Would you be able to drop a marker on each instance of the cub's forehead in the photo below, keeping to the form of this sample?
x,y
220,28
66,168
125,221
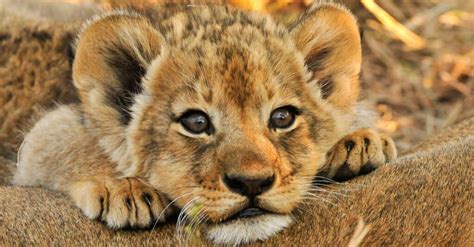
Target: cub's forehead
x,y
232,77
223,56
186,25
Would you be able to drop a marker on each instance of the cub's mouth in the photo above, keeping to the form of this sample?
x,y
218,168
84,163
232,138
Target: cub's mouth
x,y
247,213
248,225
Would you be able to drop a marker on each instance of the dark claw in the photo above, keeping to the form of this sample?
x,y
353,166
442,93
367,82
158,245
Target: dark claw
x,y
128,202
147,198
349,145
366,144
321,178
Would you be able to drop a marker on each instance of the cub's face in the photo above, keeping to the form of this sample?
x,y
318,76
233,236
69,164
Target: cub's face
x,y
231,120
232,130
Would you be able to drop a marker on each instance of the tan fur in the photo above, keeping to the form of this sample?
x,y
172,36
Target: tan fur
x,y
424,198
385,201
122,153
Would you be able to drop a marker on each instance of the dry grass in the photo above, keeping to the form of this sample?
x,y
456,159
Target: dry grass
x,y
418,92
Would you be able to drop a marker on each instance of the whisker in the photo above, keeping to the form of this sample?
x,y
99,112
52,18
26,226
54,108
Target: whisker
x,y
331,181
194,216
167,206
183,216
314,198
195,224
326,197
328,192
325,178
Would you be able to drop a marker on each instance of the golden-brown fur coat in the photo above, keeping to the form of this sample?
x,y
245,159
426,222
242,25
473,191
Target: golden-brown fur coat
x,y
424,198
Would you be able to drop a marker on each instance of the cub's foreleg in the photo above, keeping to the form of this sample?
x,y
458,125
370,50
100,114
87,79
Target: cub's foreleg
x,y
60,154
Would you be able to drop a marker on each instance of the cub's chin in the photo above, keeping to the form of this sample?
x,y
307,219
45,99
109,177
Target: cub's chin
x,y
247,226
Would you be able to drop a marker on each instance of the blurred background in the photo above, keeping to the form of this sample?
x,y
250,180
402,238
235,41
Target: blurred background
x,y
418,69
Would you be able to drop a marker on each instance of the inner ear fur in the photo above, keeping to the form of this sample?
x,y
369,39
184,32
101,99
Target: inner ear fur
x,y
328,37
113,53
112,56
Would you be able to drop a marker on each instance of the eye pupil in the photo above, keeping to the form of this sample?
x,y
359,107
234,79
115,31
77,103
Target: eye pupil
x,y
195,122
283,117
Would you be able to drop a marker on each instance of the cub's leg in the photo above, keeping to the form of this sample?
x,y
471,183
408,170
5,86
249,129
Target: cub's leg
x,y
59,154
357,154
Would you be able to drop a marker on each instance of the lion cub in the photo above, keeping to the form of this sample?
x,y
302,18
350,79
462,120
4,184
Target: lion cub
x,y
221,113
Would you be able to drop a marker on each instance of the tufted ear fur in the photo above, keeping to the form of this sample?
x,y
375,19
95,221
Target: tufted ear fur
x,y
328,37
112,56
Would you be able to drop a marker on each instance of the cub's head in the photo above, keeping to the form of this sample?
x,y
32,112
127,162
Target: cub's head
x,y
227,113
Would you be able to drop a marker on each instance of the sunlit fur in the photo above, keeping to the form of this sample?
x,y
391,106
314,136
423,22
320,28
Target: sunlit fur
x,y
237,82
137,73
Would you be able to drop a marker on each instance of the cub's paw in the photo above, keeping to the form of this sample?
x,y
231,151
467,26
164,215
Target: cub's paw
x,y
359,153
126,202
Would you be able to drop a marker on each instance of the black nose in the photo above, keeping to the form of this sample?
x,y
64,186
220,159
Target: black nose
x,y
248,187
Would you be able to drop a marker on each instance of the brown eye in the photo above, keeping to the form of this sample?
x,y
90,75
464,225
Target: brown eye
x,y
283,117
195,122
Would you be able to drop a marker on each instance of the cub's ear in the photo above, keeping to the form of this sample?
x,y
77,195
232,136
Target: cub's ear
x,y
113,54
328,37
